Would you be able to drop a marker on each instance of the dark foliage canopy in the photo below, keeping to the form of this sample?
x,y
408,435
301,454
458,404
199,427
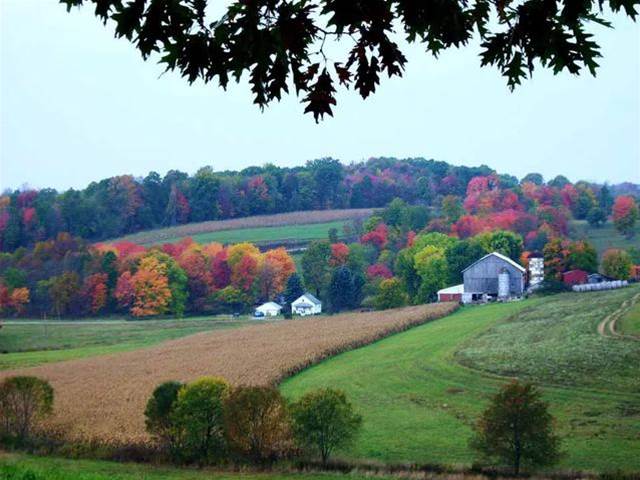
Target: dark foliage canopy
x,y
283,42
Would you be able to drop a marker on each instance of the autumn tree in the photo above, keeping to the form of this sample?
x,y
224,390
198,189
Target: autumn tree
x,y
625,215
516,429
617,264
257,423
95,292
391,294
151,288
293,37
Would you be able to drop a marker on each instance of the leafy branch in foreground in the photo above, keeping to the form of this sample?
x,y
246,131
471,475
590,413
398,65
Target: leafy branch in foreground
x,y
282,42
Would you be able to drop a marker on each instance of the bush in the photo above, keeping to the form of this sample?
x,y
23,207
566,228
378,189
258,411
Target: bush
x,y
324,420
23,402
257,423
517,428
390,294
199,421
617,264
159,415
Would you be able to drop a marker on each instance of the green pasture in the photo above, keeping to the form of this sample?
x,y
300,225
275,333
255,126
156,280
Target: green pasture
x,y
603,238
421,391
29,343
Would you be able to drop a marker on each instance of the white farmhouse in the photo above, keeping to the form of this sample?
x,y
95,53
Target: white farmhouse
x,y
306,304
269,309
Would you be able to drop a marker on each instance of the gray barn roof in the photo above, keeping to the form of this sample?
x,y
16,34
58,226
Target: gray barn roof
x,y
500,256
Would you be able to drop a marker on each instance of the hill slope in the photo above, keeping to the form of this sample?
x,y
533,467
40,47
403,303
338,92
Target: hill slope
x,y
419,403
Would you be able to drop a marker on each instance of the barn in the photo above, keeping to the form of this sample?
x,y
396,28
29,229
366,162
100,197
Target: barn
x,y
494,276
575,277
451,294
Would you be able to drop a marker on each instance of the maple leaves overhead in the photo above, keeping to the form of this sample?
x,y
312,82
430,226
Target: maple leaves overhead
x,y
282,42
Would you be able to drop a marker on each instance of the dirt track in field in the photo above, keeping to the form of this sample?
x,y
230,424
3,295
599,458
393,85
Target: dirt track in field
x,y
607,327
104,397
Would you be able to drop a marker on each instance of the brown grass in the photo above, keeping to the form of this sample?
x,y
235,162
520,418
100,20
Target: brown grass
x,y
104,397
276,220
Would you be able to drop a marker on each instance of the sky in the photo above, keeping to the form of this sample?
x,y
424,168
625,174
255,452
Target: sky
x,y
78,105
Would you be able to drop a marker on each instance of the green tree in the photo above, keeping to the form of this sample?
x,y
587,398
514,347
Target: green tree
x,y
505,242
199,420
559,181
597,217
390,294
516,429
431,266
345,289
605,199
257,423
617,264
460,255
159,415
23,402
582,255
294,288
315,266
534,178
324,420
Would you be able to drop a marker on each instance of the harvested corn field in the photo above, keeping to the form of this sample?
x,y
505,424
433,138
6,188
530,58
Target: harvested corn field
x,y
104,397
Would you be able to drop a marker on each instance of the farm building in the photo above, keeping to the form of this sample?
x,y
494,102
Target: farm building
x,y
269,309
494,276
575,277
635,272
306,304
451,294
536,270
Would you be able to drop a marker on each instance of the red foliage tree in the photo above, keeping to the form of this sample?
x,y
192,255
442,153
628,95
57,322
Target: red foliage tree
x,y
378,237
339,254
379,270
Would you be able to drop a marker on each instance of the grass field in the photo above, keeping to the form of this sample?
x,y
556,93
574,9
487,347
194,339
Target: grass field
x,y
297,233
23,467
419,402
604,237
629,324
104,397
292,225
30,343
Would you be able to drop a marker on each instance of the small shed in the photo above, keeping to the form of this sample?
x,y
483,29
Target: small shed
x,y
575,277
306,304
494,276
635,272
269,309
451,294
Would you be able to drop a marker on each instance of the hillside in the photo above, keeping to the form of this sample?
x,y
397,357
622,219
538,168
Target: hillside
x,y
260,229
604,237
415,383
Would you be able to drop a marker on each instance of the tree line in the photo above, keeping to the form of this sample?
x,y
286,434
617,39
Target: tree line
x,y
404,254
210,422
121,205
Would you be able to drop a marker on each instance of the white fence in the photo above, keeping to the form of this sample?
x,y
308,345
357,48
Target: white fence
x,y
592,287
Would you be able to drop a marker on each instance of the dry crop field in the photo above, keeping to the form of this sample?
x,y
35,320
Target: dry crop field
x,y
104,397
276,220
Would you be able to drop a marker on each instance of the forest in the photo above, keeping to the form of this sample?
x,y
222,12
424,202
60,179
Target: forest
x,y
123,204
403,255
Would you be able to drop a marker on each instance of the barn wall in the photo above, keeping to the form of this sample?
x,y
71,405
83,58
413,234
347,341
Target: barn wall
x,y
483,277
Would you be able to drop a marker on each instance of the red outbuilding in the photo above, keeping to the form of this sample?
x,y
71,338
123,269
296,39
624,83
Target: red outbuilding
x,y
635,272
575,277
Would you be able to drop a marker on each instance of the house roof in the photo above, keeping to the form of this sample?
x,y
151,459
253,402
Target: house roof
x,y
310,298
303,305
454,289
501,257
270,305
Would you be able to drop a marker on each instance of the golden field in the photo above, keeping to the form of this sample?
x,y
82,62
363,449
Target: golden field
x,y
104,397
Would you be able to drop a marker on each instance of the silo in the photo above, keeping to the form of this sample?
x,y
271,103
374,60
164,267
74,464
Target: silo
x,y
503,284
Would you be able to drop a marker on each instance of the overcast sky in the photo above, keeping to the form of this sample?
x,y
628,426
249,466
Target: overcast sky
x,y
78,105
